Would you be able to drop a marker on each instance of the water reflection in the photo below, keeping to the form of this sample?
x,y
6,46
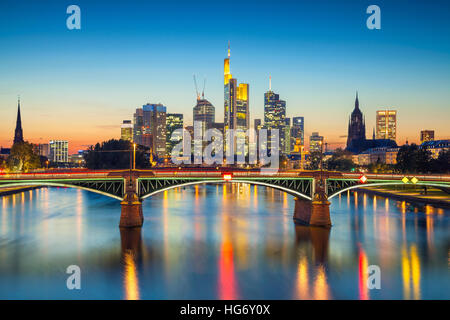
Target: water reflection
x,y
131,247
363,275
312,246
221,242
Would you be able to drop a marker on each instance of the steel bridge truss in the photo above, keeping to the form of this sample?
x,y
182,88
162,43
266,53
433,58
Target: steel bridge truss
x,y
336,185
114,187
149,186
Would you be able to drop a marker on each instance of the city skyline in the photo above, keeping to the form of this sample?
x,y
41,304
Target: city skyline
x,y
97,88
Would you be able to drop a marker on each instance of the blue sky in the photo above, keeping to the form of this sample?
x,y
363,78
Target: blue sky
x,y
74,83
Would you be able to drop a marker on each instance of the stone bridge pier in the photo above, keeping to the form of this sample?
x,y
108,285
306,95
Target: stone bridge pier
x,y
131,213
315,213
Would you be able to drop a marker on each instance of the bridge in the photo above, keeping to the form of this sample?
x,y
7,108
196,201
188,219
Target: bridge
x,y
311,189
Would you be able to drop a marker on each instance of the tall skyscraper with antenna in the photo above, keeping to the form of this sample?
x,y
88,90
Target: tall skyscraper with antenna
x,y
236,102
18,133
275,117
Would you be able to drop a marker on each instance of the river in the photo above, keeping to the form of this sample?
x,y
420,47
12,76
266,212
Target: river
x,y
231,241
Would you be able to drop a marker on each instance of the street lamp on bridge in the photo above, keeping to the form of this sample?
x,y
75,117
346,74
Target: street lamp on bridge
x,y
134,156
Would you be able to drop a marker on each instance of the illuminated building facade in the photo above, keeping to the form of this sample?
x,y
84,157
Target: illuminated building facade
x,y
236,104
385,155
315,142
436,147
174,121
274,110
426,135
386,126
149,128
205,113
126,130
275,118
138,127
297,131
59,151
154,116
286,137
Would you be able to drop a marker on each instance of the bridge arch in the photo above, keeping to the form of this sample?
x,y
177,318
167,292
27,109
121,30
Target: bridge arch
x,y
359,186
273,186
63,185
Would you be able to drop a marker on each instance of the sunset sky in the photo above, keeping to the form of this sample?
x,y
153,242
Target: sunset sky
x,y
79,85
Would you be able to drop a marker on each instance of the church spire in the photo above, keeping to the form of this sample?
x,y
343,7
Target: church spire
x,y
356,101
18,134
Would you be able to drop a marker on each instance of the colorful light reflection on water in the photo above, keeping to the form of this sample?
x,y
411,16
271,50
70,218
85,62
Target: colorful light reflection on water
x,y
220,242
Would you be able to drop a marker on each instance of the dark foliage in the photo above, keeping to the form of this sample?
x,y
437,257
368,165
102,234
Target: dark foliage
x,y
115,154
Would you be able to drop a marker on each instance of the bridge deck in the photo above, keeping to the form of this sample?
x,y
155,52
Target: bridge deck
x,y
117,174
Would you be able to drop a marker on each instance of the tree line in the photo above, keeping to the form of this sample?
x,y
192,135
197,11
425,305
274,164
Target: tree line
x,y
410,159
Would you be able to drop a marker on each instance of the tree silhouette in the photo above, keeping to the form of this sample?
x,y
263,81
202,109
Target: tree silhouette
x,y
412,159
22,158
115,154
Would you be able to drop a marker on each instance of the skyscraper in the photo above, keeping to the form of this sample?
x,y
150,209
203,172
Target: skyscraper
x,y
274,110
356,138
242,117
204,115
236,103
126,130
18,134
286,136
426,135
138,127
154,124
204,112
275,117
386,127
174,121
298,131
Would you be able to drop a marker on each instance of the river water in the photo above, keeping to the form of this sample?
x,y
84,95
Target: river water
x,y
231,241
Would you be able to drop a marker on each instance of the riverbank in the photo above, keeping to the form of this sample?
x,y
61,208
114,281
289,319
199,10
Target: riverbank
x,y
14,190
433,196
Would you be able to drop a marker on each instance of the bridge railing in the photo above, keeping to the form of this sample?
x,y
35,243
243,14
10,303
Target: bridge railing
x,y
219,174
420,177
212,174
46,175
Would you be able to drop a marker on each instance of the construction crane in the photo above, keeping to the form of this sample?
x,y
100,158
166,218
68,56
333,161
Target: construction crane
x,y
203,91
196,88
